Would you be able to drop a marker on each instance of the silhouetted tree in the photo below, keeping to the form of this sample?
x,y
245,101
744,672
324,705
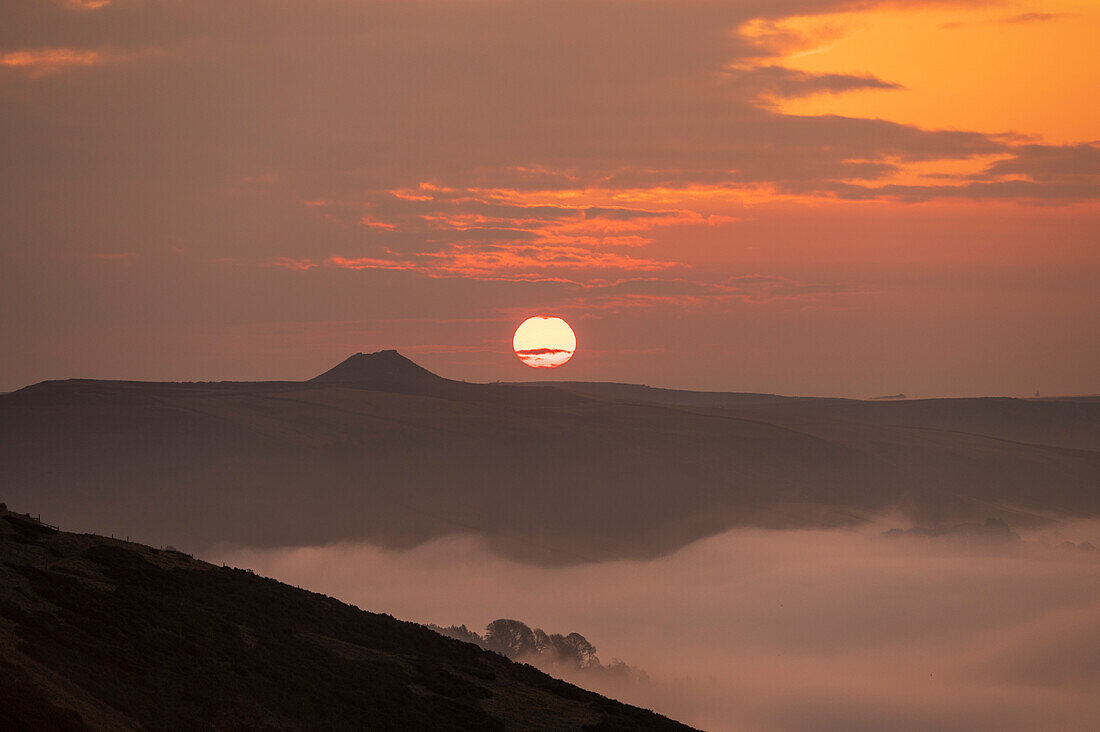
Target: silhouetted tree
x,y
516,640
572,650
618,669
510,637
542,641
583,651
558,650
459,632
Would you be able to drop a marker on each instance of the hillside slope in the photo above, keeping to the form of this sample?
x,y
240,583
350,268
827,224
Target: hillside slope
x,y
98,634
1072,422
392,454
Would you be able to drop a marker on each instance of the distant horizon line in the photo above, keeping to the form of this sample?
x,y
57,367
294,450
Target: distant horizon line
x,y
901,396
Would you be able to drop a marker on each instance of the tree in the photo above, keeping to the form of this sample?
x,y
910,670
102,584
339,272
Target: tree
x,y
583,651
510,637
459,632
542,641
571,650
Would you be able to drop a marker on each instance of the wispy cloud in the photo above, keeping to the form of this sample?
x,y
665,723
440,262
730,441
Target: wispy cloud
x,y
301,265
770,82
751,289
45,61
450,231
1017,19
500,261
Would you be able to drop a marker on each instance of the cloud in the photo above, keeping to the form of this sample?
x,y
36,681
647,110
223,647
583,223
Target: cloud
x,y
668,97
302,265
497,140
44,61
473,232
503,261
696,294
586,290
540,351
1021,18
368,263
1038,173
1050,164
780,82
1018,19
1059,193
376,224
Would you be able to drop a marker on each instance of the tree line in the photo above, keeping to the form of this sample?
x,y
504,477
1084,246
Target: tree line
x,y
516,640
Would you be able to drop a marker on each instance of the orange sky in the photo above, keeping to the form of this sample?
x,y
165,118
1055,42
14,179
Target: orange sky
x,y
804,196
1020,68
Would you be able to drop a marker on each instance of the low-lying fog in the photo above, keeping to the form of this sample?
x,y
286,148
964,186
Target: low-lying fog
x,y
769,630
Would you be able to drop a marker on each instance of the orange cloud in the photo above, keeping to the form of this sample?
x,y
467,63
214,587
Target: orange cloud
x,y
518,262
498,233
423,192
40,62
474,260
368,263
407,195
290,263
576,234
376,224
557,224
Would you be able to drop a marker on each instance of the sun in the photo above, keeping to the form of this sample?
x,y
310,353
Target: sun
x,y
544,342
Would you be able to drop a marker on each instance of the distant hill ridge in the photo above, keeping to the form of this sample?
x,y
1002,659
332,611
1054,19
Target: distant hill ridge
x,y
381,449
385,370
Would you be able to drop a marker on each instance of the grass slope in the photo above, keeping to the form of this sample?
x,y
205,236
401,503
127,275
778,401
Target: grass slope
x,y
103,634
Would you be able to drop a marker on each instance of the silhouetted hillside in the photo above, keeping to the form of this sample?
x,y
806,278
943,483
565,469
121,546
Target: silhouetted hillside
x,y
1072,422
382,371
381,450
99,634
658,395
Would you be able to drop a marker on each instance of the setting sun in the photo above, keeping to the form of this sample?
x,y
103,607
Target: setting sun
x,y
544,342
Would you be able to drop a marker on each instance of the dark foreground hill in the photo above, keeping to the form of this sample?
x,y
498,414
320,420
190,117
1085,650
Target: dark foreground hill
x,y
379,449
98,634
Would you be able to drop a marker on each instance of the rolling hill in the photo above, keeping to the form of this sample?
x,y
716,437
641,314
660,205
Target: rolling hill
x,y
379,449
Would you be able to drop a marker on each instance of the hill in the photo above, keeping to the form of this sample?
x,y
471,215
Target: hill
x,y
99,634
1072,422
381,450
386,370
